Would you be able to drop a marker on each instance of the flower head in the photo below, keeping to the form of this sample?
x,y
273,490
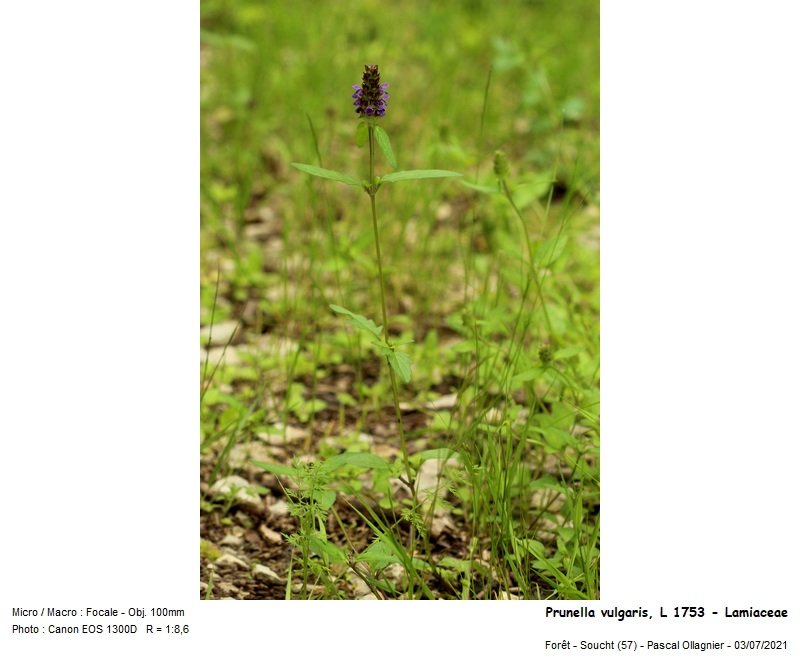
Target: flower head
x,y
500,164
370,97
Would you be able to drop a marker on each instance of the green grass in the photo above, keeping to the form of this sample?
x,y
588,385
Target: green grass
x,y
497,286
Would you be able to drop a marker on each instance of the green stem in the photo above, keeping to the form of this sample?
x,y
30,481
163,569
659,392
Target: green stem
x,y
373,189
531,266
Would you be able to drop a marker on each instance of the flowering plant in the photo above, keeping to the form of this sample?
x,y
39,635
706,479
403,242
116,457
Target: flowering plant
x,y
370,99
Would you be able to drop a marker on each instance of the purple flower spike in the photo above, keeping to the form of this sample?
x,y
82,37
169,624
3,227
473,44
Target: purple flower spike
x,y
371,96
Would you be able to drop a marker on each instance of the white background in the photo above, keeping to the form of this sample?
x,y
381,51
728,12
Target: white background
x,y
99,244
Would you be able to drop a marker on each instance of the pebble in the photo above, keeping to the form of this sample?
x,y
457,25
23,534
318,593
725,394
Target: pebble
x,y
232,540
231,560
443,402
277,436
243,490
270,535
219,334
261,572
278,510
360,588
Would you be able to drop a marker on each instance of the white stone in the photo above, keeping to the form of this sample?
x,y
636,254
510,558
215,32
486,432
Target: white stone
x,y
279,509
270,535
443,402
232,540
261,572
243,491
430,480
219,334
231,560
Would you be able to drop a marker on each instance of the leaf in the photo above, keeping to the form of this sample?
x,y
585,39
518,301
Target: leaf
x,y
276,469
461,565
401,363
360,459
379,555
386,146
571,351
526,376
441,454
382,347
407,175
360,322
536,548
549,251
480,188
557,439
361,134
325,498
321,172
327,550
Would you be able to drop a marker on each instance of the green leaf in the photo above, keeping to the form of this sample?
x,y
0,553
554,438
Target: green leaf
x,y
276,469
321,172
382,347
571,351
484,189
557,439
325,498
360,322
385,145
407,175
327,550
360,459
401,363
361,134
379,555
549,251
536,548
442,454
461,565
527,376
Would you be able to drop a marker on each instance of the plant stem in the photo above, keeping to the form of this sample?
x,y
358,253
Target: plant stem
x,y
531,265
373,189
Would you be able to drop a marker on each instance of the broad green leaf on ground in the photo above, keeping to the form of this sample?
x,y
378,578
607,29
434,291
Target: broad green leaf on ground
x,y
321,172
408,175
401,363
360,322
386,146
